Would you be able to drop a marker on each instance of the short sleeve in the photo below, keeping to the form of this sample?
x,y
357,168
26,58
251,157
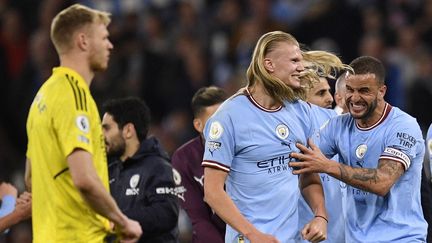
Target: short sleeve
x,y
325,138
7,205
429,144
403,143
219,142
72,121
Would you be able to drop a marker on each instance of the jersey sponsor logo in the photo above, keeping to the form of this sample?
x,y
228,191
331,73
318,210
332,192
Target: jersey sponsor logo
x,y
176,191
216,130
132,191
213,146
276,164
324,178
406,140
83,124
357,193
361,151
282,131
133,182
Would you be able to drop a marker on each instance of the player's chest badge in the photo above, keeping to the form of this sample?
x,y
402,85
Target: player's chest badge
x,y
361,151
282,131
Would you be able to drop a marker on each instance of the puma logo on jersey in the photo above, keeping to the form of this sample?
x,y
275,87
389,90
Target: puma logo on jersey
x,y
200,180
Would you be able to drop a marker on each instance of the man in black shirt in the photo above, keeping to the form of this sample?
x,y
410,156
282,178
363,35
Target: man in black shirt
x,y
141,177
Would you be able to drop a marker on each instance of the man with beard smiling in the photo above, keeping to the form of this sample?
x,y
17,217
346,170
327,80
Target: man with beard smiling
x,y
381,153
141,177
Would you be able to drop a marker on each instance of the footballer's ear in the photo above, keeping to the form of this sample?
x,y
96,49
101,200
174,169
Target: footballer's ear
x,y
129,131
198,125
81,41
268,64
382,91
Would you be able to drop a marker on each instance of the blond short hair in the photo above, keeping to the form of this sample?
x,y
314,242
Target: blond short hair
x,y
71,19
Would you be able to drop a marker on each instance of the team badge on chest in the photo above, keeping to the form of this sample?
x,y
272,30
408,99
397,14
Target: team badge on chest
x,y
282,131
133,183
361,151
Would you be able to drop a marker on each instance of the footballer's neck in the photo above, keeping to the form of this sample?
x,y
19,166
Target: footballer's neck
x,y
79,65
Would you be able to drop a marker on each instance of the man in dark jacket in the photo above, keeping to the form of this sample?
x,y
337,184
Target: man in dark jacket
x,y
140,175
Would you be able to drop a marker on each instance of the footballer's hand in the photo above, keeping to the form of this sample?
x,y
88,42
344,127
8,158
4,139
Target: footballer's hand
x,y
7,189
311,160
130,232
315,230
23,206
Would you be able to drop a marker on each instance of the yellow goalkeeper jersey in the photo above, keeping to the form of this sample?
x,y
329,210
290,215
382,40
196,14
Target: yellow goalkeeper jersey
x,y
62,118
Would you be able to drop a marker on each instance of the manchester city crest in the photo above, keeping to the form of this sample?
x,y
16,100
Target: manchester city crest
x,y
176,177
134,180
361,151
216,130
282,131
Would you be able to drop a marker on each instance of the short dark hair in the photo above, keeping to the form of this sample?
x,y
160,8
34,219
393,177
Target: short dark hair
x,y
205,97
130,110
368,64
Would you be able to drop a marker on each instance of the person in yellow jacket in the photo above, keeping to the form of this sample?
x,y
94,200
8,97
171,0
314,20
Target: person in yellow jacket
x,y
66,159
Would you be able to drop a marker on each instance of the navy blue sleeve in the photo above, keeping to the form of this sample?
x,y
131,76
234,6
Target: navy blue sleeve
x,y
157,210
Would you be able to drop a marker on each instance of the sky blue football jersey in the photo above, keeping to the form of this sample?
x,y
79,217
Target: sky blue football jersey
x,y
398,216
334,190
253,145
429,146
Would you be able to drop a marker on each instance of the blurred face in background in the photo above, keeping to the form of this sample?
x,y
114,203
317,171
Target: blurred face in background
x,y
201,119
320,94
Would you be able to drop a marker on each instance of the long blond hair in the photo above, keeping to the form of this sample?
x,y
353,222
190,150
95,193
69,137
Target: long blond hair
x,y
321,64
256,71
